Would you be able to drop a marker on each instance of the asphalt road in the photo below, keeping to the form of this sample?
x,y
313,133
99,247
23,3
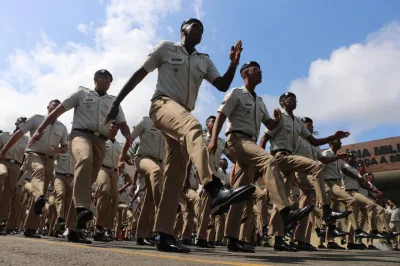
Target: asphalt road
x,y
18,250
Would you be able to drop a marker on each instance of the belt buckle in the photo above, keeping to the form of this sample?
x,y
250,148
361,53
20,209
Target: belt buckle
x,y
96,133
12,161
254,138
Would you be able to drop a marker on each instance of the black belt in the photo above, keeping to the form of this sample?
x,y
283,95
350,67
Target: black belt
x,y
41,154
111,168
352,190
67,175
241,133
282,151
97,134
332,180
13,161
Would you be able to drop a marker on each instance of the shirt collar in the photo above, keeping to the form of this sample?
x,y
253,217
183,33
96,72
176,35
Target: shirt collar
x,y
179,44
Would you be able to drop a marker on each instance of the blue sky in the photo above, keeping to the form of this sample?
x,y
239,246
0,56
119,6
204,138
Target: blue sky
x,y
285,37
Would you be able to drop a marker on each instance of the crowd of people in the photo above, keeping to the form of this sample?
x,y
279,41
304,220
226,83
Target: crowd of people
x,y
174,190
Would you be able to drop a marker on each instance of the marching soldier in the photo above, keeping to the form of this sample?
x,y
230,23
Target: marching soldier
x,y
181,70
40,160
9,172
87,143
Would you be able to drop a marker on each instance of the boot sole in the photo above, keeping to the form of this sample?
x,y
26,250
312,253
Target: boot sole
x,y
84,217
224,207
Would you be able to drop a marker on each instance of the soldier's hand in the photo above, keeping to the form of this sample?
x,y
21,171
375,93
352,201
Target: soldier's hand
x,y
234,55
212,147
277,115
121,166
341,134
36,137
112,114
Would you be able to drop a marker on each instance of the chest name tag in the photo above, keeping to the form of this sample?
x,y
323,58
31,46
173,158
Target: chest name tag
x,y
249,105
89,100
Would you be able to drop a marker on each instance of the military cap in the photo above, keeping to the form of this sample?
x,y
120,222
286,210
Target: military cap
x,y
191,20
306,120
103,72
249,64
287,95
352,154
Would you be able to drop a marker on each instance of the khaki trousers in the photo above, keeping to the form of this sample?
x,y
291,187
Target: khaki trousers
x,y
384,221
124,217
184,138
63,185
153,173
249,155
88,152
41,169
395,227
16,209
177,231
295,163
204,214
9,173
369,208
51,216
247,228
275,227
107,197
260,198
220,221
189,206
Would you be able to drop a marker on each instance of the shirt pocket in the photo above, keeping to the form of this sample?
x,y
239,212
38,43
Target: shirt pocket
x,y
88,104
57,134
106,106
248,109
176,66
202,69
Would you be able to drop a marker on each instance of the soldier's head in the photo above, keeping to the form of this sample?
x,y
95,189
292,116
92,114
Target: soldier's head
x,y
352,158
210,123
361,168
223,163
112,130
191,31
308,123
335,145
371,177
251,73
53,104
288,101
102,80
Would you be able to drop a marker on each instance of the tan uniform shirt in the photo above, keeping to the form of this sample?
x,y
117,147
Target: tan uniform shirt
x,y
179,73
221,149
152,142
65,164
306,149
333,170
286,134
54,135
348,182
243,112
113,150
16,152
90,110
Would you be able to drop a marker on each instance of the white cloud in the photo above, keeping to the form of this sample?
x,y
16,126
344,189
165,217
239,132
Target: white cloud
x,y
197,6
49,70
357,88
84,28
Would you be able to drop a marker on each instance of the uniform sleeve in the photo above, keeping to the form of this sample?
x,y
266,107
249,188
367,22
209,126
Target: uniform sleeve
x,y
212,71
1,140
121,116
274,131
137,129
304,132
229,103
319,152
64,138
71,101
29,124
154,59
266,116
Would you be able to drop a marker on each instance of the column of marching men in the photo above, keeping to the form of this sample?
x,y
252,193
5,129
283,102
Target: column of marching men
x,y
176,190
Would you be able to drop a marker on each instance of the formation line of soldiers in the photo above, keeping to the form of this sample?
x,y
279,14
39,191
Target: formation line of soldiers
x,y
175,156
